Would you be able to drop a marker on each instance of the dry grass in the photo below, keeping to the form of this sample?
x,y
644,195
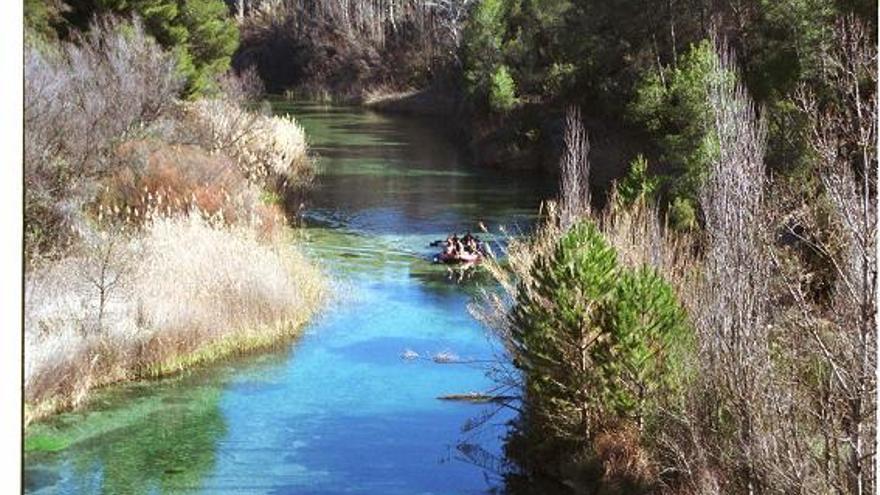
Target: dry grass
x,y
270,150
192,290
165,179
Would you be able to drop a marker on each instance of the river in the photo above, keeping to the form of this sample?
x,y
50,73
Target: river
x,y
348,408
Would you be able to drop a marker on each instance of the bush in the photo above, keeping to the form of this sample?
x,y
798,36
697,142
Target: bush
x,y
593,338
682,215
648,337
79,100
270,150
554,316
637,185
601,347
502,91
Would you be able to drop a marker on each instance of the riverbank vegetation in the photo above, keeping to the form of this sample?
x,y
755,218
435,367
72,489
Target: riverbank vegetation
x,y
706,325
737,358
346,49
156,227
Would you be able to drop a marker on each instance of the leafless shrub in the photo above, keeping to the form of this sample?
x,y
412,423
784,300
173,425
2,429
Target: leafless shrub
x,y
575,169
79,99
244,87
840,332
733,314
641,238
450,20
270,150
105,263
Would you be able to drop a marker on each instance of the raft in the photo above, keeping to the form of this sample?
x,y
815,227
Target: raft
x,y
456,259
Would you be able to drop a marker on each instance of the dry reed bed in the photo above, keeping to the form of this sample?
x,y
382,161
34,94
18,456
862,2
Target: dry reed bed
x,y
182,291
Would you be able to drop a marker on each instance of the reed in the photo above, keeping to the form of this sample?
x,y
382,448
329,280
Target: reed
x,y
181,292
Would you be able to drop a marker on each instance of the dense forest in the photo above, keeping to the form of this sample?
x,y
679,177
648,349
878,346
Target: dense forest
x,y
694,314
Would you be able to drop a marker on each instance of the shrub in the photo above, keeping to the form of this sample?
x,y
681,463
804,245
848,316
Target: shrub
x,y
270,150
648,337
682,215
502,91
589,312
592,338
80,99
637,185
556,320
154,177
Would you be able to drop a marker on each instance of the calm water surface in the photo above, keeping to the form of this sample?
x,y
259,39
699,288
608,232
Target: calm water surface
x,y
339,411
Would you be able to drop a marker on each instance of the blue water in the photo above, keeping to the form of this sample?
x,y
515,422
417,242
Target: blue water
x,y
341,411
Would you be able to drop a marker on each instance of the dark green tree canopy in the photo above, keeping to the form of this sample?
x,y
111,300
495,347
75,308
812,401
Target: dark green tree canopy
x,y
201,33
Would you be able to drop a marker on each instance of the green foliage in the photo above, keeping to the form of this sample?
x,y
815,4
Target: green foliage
x,y
40,16
648,333
674,106
555,317
270,198
213,38
502,91
637,185
200,33
682,214
559,78
594,339
483,39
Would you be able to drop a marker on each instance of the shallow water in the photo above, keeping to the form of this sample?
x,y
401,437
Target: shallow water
x,y
339,411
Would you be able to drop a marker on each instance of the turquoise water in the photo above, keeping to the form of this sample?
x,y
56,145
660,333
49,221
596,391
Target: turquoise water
x,y
341,410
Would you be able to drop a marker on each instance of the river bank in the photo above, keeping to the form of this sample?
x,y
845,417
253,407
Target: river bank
x,y
156,234
339,406
197,294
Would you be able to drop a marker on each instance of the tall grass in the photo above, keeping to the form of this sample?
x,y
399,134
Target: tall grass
x,y
189,290
271,150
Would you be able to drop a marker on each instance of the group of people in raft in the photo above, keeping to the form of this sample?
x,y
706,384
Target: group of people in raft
x,y
466,249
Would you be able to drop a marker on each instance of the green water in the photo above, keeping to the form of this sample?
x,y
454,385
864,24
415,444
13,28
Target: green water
x,y
339,411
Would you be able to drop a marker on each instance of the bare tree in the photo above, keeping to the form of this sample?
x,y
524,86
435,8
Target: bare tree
x,y
732,317
575,169
105,262
451,16
843,132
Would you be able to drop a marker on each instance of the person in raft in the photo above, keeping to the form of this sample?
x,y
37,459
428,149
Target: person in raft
x,y
470,244
449,247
